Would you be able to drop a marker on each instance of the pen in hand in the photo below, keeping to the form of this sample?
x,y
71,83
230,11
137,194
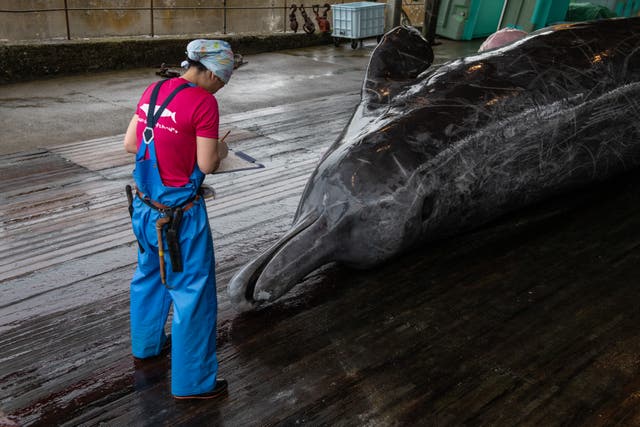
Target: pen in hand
x,y
223,149
225,135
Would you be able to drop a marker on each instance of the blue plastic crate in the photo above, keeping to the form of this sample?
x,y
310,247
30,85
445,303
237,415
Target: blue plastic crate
x,y
358,20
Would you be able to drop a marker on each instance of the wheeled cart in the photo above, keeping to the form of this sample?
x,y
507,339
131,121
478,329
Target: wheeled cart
x,y
357,21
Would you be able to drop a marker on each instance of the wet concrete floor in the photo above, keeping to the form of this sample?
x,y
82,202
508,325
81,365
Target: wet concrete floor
x,y
75,108
528,321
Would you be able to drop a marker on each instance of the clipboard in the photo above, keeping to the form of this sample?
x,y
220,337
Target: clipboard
x,y
237,161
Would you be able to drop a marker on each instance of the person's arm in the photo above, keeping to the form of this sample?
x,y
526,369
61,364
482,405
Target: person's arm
x,y
207,155
130,139
210,151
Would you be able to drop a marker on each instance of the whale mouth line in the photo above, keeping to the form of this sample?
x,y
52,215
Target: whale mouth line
x,y
306,222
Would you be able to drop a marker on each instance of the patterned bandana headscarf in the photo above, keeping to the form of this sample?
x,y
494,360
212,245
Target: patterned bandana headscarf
x,y
216,55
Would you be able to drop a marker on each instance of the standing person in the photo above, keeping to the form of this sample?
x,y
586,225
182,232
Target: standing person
x,y
174,135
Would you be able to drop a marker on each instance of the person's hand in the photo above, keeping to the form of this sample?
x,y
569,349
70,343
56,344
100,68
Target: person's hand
x,y
223,148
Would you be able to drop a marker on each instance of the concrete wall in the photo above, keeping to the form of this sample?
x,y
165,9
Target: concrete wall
x,y
32,25
127,18
107,23
28,61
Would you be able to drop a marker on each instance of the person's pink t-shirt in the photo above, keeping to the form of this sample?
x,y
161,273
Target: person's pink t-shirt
x,y
193,112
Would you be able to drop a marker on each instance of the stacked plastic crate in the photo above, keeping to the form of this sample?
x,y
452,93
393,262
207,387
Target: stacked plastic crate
x,y
357,21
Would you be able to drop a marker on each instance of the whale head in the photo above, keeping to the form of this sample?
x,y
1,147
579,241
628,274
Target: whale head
x,y
364,201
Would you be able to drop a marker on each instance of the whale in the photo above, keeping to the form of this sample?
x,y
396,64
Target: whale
x,y
431,152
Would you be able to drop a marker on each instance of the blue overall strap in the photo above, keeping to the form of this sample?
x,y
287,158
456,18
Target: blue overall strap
x,y
147,170
153,116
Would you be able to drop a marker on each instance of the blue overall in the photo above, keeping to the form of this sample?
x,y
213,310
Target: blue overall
x,y
193,291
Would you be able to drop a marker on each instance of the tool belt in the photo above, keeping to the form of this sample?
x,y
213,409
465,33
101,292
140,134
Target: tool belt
x,y
171,219
167,210
174,216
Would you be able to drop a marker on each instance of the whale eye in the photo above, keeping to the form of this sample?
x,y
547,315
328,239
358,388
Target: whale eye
x,y
427,208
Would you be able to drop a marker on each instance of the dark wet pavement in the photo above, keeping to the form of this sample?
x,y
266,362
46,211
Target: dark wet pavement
x,y
528,321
